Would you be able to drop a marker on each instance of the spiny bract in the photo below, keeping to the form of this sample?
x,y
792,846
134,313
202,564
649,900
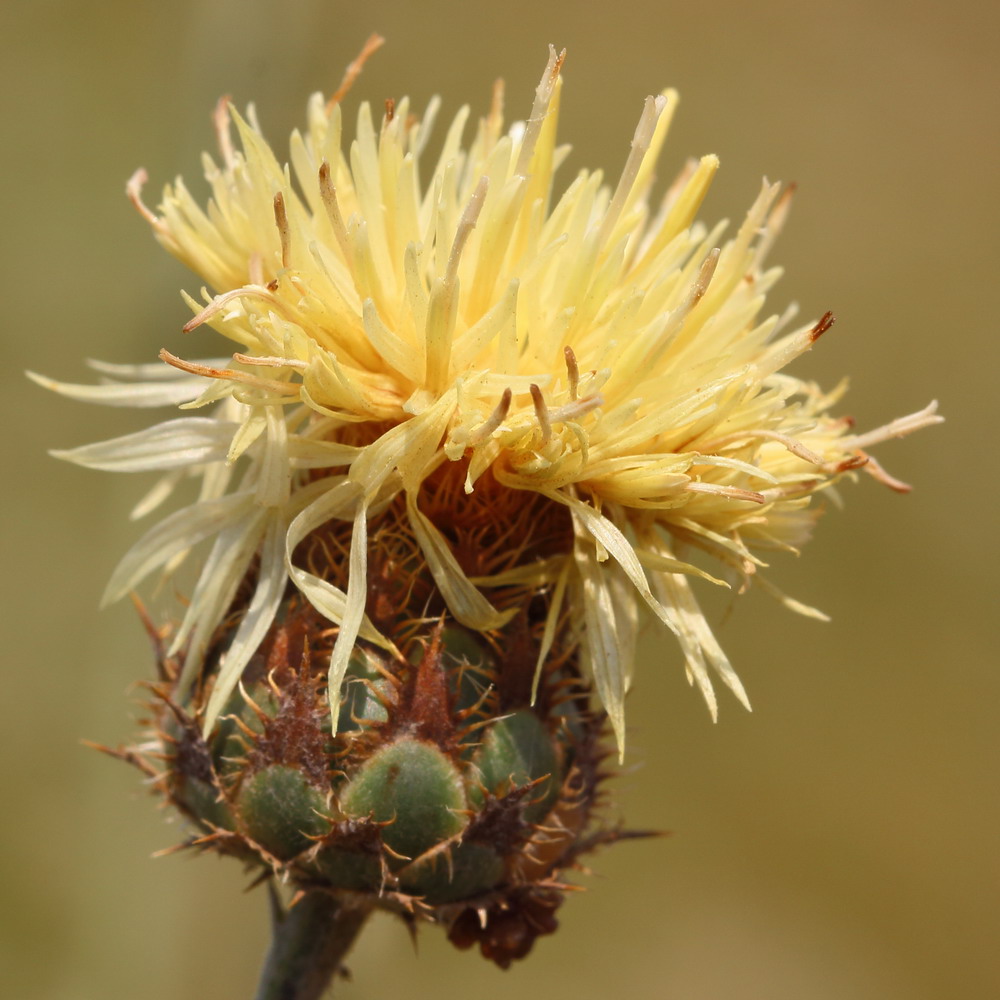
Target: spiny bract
x,y
458,786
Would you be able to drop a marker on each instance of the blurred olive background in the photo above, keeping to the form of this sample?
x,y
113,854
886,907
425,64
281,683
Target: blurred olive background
x,y
841,841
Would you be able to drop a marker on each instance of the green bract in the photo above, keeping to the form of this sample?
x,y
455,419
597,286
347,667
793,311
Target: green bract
x,y
444,794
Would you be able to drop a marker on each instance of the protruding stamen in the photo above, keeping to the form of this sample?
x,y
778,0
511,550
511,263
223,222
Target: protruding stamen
x,y
732,492
210,310
796,447
193,368
775,223
876,471
680,204
495,419
465,226
247,291
270,362
284,233
576,409
543,96
133,189
494,120
541,412
897,428
329,195
220,119
826,321
353,71
572,372
255,268
855,461
641,142
704,277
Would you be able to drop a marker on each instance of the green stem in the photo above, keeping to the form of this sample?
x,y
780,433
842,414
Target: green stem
x,y
308,946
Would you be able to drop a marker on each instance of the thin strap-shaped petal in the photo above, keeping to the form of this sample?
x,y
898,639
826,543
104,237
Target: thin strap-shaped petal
x,y
155,371
173,444
354,610
256,621
217,585
172,536
600,641
626,603
328,600
160,491
619,548
536,573
408,448
306,453
139,394
700,645
694,659
464,600
274,484
551,625
806,610
656,560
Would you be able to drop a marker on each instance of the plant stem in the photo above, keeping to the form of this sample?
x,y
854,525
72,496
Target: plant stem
x,y
308,945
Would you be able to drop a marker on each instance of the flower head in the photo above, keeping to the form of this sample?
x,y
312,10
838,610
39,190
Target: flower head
x,y
577,389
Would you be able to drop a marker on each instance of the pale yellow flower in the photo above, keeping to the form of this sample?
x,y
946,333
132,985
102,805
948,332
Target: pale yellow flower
x,y
393,315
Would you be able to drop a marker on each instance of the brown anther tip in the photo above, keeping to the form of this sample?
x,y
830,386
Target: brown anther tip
x,y
541,412
788,193
284,232
826,321
572,371
390,109
854,462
